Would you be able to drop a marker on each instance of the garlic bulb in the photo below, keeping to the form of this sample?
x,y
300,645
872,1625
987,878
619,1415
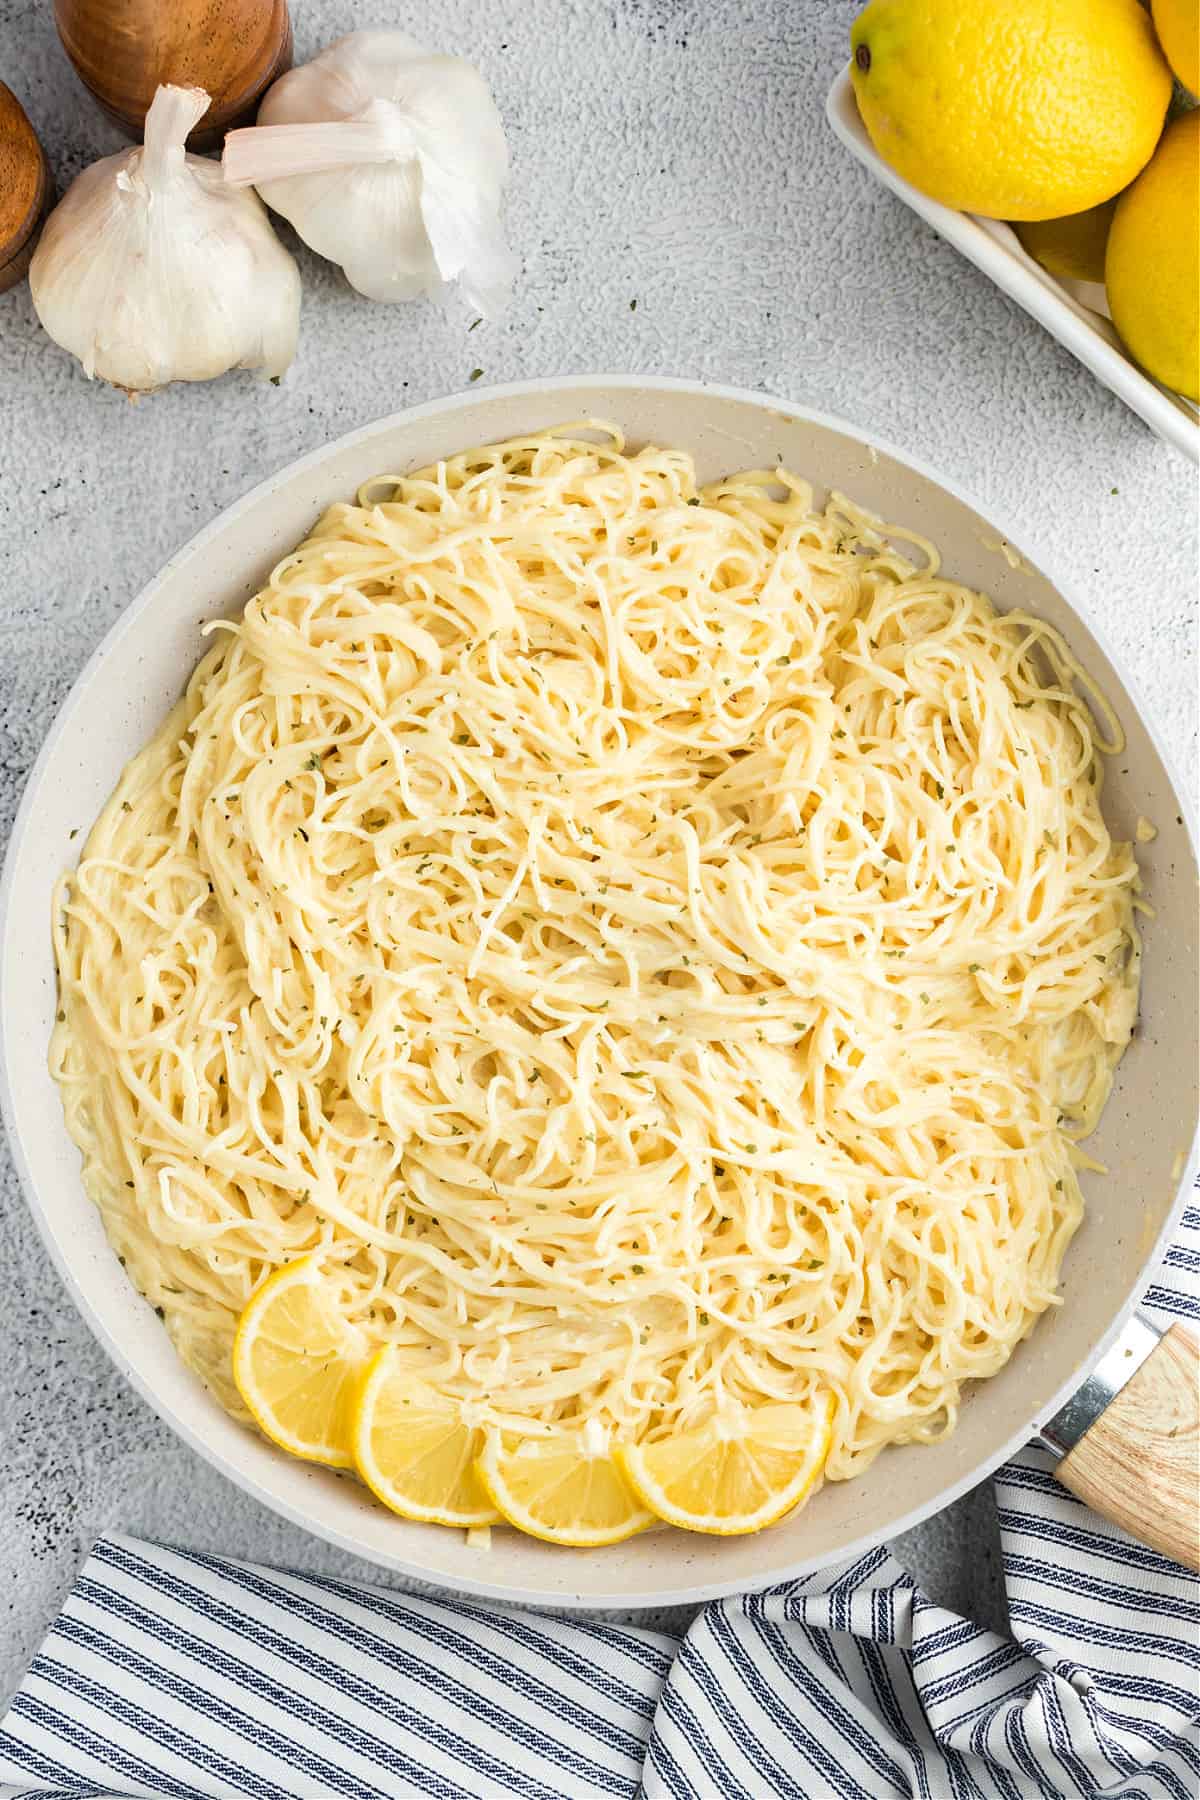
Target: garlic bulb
x,y
151,269
390,161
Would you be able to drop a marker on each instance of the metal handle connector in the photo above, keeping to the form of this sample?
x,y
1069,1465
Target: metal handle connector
x,y
1117,1366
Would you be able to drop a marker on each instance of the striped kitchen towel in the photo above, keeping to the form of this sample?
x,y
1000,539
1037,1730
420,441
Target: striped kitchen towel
x,y
172,1673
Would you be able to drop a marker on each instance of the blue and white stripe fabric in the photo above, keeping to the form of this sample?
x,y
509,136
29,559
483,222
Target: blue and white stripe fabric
x,y
171,1673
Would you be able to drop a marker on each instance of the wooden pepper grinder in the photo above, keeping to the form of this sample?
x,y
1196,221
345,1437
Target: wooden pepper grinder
x,y
25,189
122,50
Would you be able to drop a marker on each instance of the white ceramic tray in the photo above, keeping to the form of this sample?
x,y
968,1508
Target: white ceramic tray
x,y
993,247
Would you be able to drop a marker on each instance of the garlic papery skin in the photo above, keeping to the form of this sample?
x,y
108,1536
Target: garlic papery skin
x,y
390,161
153,269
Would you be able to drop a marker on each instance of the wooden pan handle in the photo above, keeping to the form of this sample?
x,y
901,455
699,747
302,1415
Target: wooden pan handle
x,y
1139,1464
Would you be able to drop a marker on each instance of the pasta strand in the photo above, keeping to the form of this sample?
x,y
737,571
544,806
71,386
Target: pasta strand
x,y
663,944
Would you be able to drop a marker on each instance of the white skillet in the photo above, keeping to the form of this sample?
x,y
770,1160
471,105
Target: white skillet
x,y
1145,1136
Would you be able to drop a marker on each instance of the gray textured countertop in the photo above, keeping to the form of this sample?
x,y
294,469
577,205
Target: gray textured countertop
x,y
669,151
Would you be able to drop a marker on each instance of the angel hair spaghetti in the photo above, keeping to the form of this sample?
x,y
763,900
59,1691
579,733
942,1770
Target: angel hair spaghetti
x,y
661,945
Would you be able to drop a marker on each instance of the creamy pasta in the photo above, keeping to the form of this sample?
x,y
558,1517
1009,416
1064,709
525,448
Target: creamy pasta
x,y
662,943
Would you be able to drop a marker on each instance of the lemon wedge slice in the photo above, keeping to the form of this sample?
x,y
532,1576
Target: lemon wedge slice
x,y
727,1479
295,1361
554,1488
413,1449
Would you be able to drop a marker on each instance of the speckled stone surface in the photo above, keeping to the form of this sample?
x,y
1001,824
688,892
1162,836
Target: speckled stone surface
x,y
672,152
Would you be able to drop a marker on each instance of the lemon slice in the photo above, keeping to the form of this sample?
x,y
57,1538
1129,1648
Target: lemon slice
x,y
414,1450
553,1488
727,1480
295,1360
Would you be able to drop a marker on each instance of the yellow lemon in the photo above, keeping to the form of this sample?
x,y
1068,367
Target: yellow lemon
x,y
726,1478
414,1449
1071,248
1177,23
556,1488
296,1359
1152,269
1017,109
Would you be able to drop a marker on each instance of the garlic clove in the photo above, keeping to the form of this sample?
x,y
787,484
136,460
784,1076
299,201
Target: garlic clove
x,y
444,99
390,161
359,217
152,269
467,240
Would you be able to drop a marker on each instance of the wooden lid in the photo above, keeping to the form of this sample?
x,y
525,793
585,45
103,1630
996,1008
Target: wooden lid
x,y
24,188
122,50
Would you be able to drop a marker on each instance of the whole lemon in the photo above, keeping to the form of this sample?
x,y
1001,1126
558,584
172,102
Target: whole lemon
x,y
1152,266
1073,246
1018,109
1177,23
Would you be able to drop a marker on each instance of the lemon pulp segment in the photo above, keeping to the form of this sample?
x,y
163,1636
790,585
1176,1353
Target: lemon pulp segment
x,y
414,1449
295,1359
727,1477
553,1488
